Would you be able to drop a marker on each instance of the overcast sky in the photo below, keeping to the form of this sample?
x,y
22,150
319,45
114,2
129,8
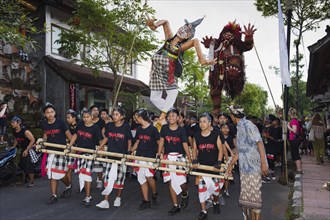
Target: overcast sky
x,y
218,13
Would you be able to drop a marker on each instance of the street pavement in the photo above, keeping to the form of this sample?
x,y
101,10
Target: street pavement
x,y
316,199
18,202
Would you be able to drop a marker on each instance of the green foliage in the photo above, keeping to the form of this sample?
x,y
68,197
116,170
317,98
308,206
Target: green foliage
x,y
16,25
105,31
307,14
130,102
195,87
253,99
305,103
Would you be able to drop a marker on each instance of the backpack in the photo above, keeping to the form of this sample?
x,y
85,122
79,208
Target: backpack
x,y
300,135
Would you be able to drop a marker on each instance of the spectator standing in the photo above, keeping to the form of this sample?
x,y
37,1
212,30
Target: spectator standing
x,y
316,135
294,140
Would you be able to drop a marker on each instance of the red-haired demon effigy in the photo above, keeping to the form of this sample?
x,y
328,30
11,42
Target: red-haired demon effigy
x,y
228,73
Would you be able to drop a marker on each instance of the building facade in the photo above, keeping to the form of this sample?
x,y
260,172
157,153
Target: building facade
x,y
28,80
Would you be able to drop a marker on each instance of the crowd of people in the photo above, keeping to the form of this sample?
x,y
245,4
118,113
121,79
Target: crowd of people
x,y
208,140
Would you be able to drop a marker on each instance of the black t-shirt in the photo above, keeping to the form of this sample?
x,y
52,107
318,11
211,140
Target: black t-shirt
x,y
272,147
100,123
148,138
173,140
118,137
266,141
21,139
260,127
195,129
73,128
230,141
232,130
218,131
134,125
88,137
207,148
55,132
188,130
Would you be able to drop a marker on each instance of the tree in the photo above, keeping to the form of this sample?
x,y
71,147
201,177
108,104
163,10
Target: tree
x,y
194,82
305,103
16,25
307,14
112,33
253,99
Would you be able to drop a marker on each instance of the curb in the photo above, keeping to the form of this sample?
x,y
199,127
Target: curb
x,y
297,198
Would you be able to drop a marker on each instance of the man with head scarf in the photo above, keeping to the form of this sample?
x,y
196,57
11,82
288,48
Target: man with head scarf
x,y
252,163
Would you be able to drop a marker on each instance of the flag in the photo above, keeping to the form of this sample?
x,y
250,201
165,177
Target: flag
x,y
284,60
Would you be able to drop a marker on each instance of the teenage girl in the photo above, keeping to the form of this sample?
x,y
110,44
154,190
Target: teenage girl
x,y
71,120
98,166
146,145
88,135
56,131
119,138
174,144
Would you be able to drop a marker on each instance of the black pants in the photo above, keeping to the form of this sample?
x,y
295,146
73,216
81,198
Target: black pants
x,y
294,145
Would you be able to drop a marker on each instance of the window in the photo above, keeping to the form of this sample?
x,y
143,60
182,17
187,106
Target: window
x,y
56,31
56,35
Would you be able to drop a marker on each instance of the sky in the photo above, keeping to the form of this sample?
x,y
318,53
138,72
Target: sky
x,y
218,13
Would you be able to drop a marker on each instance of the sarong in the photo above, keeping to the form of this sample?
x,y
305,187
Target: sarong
x,y
250,195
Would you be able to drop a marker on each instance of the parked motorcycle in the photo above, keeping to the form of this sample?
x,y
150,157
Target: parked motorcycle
x,y
8,168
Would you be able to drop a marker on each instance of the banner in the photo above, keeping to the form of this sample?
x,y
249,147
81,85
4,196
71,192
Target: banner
x,y
73,103
284,60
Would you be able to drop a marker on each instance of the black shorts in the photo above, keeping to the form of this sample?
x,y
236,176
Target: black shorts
x,y
26,165
294,145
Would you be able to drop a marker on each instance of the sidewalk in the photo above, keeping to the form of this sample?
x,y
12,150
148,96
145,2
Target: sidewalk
x,y
316,200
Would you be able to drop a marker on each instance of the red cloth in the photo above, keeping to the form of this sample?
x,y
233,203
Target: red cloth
x,y
171,69
43,164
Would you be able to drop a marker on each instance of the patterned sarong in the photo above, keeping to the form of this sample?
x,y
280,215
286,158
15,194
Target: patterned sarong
x,y
115,175
250,196
85,171
207,186
56,166
143,173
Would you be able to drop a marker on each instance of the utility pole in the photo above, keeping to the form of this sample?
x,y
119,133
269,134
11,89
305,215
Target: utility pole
x,y
289,7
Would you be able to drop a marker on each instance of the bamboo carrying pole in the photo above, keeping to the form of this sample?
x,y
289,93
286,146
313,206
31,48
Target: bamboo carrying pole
x,y
125,157
131,157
